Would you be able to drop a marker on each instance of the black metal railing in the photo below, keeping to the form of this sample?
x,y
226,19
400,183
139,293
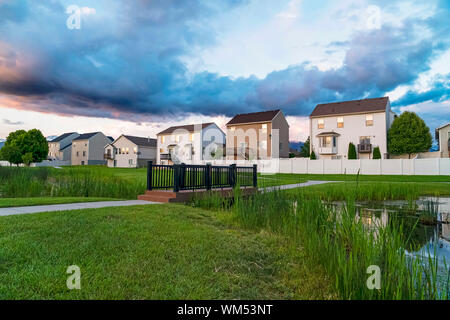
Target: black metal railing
x,y
193,177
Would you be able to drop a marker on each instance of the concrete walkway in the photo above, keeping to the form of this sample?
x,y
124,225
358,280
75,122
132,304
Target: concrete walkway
x,y
297,185
72,206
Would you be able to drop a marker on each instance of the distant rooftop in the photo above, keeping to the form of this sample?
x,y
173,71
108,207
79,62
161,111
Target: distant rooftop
x,y
63,136
348,107
254,117
141,141
86,136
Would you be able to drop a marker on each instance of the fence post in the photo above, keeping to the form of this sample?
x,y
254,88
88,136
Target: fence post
x,y
208,176
183,176
232,175
149,175
255,176
176,177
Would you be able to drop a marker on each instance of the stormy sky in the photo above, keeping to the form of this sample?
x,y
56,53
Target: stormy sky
x,y
141,65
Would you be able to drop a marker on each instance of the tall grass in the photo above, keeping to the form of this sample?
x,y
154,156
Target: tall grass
x,y
337,239
34,182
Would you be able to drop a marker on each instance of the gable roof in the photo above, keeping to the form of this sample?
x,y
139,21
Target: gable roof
x,y
86,136
140,141
254,117
189,127
62,149
443,126
353,106
63,136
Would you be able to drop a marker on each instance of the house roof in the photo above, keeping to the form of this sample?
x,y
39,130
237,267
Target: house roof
x,y
69,145
63,136
254,117
141,141
327,134
443,126
86,136
189,127
353,106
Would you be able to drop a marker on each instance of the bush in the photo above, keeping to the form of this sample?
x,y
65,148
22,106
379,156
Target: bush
x,y
376,153
313,156
351,151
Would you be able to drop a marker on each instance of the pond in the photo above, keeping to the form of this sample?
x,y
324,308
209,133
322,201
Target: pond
x,y
426,225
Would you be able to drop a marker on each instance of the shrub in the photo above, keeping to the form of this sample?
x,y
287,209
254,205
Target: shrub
x,y
376,153
313,155
351,151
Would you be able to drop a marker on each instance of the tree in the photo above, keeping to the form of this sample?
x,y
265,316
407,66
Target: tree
x,y
408,135
351,151
304,151
11,153
27,158
19,143
376,153
313,156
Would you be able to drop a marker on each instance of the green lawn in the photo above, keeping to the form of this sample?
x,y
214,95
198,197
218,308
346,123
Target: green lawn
x,y
151,252
35,201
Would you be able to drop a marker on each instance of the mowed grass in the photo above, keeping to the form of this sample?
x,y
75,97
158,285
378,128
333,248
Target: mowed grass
x,y
19,202
151,252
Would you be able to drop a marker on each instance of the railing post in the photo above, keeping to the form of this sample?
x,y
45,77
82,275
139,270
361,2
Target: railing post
x,y
255,176
208,176
149,175
176,178
182,176
232,173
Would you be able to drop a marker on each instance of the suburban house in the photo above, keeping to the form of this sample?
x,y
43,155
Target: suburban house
x,y
88,148
364,123
190,143
443,139
258,136
60,148
130,152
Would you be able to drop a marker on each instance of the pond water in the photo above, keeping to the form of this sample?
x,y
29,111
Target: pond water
x,y
428,236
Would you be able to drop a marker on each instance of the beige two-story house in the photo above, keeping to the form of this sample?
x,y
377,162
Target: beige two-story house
x,y
443,139
60,148
364,123
89,148
130,152
258,136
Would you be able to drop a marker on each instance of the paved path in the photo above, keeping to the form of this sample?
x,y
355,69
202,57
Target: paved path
x,y
71,206
297,185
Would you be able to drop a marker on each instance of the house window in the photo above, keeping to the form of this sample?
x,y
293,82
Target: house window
x,y
130,162
325,142
263,145
232,129
369,120
161,150
334,142
264,128
364,140
84,153
340,122
78,154
162,139
281,146
320,124
135,150
191,137
128,150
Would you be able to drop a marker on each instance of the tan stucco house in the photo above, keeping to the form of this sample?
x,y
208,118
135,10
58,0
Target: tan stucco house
x,y
89,148
130,152
443,139
60,148
258,136
364,123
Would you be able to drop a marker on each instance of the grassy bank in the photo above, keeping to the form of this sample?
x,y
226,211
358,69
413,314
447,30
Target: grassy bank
x,y
150,252
19,202
375,191
337,240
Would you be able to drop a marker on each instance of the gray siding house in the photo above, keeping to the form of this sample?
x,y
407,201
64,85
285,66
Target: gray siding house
x,y
88,149
60,148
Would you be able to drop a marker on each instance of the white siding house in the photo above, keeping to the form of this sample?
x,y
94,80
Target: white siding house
x,y
190,143
362,122
130,152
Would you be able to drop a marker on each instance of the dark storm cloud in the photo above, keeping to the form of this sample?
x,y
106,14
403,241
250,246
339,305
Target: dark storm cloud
x,y
127,58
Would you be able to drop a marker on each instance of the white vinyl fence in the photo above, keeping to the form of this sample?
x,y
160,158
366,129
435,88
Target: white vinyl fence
x,y
436,166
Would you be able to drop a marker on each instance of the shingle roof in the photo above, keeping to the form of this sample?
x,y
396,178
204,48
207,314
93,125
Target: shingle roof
x,y
254,117
86,136
63,136
69,145
189,127
140,141
354,106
